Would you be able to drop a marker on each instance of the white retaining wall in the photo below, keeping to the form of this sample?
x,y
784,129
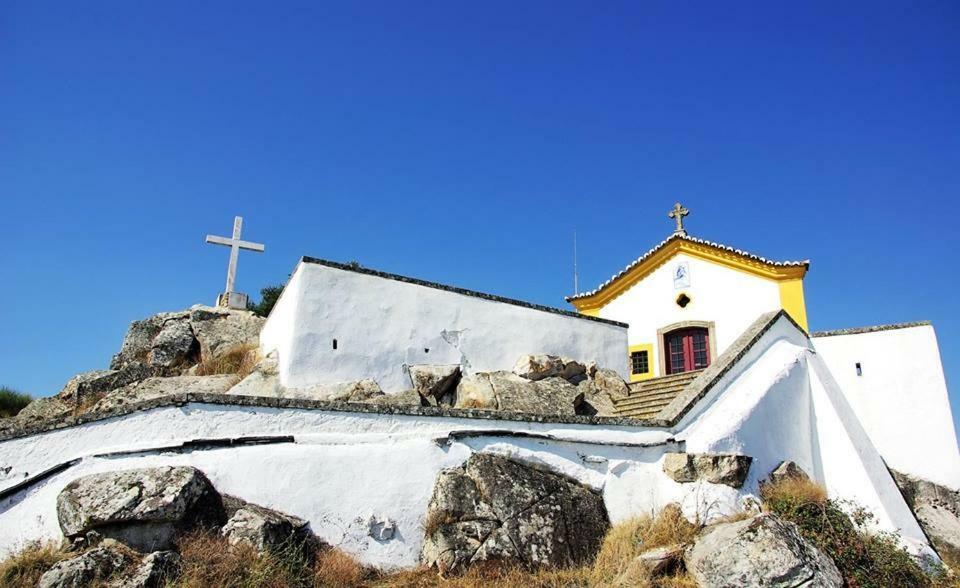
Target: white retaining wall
x,y
900,397
383,325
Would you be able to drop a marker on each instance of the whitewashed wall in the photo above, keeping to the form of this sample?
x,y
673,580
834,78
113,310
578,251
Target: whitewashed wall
x,y
781,402
901,398
382,325
730,298
344,470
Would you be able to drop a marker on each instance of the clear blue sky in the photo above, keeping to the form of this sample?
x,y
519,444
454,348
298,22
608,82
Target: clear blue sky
x,y
464,143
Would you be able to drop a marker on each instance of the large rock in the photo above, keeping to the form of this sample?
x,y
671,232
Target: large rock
x,y
937,509
267,530
358,391
508,392
138,342
715,468
410,398
155,570
82,571
761,551
787,470
538,367
219,329
174,345
142,508
492,508
160,387
170,342
436,383
264,380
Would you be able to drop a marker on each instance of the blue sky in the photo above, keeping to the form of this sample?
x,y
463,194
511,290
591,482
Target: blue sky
x,y
464,143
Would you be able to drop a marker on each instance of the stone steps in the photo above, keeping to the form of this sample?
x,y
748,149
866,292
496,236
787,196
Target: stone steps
x,y
649,397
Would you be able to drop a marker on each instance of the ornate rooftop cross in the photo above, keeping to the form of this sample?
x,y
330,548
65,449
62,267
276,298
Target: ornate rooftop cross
x,y
677,214
229,297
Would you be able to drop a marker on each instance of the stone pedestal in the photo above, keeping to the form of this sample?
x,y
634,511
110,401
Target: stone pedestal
x,y
236,300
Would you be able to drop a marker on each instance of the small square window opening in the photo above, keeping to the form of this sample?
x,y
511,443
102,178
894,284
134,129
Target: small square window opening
x,y
859,369
639,362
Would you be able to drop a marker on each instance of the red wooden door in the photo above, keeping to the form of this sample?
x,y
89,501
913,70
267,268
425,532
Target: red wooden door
x,y
687,350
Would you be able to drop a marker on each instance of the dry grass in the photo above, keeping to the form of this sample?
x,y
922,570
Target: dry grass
x,y
24,568
795,491
209,560
632,537
335,569
435,520
239,360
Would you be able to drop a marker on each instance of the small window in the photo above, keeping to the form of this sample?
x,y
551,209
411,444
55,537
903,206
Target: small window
x,y
683,300
639,363
859,369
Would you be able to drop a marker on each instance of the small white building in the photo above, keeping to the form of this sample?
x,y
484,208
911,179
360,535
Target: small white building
x,y
340,322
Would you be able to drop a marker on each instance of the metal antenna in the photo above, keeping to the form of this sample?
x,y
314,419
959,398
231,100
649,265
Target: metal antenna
x,y
576,284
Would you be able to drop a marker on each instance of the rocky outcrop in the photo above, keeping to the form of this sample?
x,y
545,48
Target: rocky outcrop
x,y
761,551
508,392
159,387
436,383
787,470
171,342
937,508
265,529
218,330
493,508
405,398
538,367
715,468
142,508
358,391
601,388
83,570
155,570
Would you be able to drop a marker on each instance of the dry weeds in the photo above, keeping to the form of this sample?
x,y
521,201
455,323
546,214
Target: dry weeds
x,y
239,360
24,568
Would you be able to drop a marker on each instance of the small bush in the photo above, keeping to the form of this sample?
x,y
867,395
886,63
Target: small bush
x,y
24,568
12,402
239,360
866,560
268,299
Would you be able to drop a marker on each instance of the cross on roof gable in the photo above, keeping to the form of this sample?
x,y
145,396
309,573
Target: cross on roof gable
x,y
681,242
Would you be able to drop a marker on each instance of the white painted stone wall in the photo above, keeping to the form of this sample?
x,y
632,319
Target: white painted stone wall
x,y
730,298
900,398
781,402
383,325
347,468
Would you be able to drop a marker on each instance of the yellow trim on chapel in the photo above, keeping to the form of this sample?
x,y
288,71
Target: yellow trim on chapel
x,y
648,347
789,277
791,300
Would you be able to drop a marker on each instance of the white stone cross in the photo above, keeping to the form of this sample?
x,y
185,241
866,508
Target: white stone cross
x,y
235,244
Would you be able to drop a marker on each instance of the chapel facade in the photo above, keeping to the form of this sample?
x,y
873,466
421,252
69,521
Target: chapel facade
x,y
687,299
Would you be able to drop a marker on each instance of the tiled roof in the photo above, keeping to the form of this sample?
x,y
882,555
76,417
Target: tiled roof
x,y
685,237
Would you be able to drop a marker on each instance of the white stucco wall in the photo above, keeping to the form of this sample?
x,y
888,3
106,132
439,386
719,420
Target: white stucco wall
x,y
900,398
781,402
730,298
344,469
383,325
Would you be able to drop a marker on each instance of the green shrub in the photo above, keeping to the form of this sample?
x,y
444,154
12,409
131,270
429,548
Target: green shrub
x,y
865,559
268,298
12,402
